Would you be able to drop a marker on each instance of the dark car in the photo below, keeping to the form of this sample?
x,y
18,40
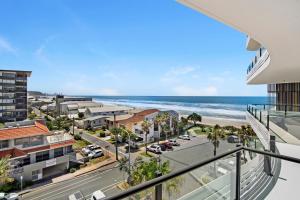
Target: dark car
x,y
167,145
233,139
162,147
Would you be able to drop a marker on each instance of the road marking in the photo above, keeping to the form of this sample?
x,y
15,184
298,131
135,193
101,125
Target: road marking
x,y
105,189
71,185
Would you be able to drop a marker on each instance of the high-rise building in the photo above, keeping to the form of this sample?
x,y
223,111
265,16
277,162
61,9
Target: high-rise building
x,y
13,92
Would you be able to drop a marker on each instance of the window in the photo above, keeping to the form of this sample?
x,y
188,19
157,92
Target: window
x,y
69,149
41,156
3,144
58,152
36,175
36,140
24,142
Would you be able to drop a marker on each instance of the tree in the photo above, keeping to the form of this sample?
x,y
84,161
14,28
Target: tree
x,y
116,132
32,116
246,135
215,137
160,120
173,186
4,171
145,127
175,124
80,115
195,118
123,166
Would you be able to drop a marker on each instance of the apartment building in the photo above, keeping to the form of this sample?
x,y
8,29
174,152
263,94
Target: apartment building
x,y
13,92
34,152
272,29
107,111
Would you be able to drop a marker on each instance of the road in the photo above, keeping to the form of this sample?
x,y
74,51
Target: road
x,y
105,181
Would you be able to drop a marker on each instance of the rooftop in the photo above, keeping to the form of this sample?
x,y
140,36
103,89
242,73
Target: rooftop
x,y
108,109
25,131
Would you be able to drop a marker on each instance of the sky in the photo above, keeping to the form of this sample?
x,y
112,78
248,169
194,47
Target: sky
x,y
123,47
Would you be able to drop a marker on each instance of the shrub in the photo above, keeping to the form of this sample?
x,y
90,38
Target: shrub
x,y
102,133
77,137
72,170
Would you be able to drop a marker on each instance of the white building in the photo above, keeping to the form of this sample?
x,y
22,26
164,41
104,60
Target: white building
x,y
106,111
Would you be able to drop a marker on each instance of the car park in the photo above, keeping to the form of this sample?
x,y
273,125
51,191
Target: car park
x,y
184,137
98,195
96,154
154,148
173,142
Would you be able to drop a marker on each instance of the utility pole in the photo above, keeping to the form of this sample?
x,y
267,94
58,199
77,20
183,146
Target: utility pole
x,y
129,162
116,136
73,125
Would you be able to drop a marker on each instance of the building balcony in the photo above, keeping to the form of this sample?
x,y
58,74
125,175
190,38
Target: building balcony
x,y
259,62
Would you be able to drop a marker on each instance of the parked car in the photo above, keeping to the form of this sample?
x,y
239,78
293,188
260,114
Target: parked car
x,y
162,147
167,145
86,150
98,195
95,147
184,137
173,142
154,148
76,196
96,154
10,196
233,139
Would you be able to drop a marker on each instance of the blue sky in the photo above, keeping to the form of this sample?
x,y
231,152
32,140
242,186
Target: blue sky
x,y
133,47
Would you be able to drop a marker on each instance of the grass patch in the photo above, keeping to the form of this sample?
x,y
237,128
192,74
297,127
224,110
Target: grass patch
x,y
98,160
146,155
111,140
79,144
2,125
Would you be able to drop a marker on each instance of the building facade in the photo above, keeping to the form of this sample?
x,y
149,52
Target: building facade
x,y
13,92
34,152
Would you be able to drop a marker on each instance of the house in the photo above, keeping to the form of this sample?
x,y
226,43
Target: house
x,y
60,99
34,152
94,122
106,111
72,108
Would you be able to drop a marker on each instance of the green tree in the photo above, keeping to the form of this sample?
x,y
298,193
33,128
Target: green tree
x,y
195,118
116,132
4,171
173,186
80,115
145,127
160,120
215,136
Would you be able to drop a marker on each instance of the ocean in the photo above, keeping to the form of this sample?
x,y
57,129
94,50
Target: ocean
x,y
217,106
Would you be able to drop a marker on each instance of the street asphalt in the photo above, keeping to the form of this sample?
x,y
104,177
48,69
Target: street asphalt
x,y
106,181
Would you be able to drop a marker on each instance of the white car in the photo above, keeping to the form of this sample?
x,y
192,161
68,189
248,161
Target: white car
x,y
184,137
154,148
76,196
95,154
86,150
11,196
98,195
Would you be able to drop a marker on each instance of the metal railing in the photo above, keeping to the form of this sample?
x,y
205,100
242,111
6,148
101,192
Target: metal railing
x,y
158,182
261,57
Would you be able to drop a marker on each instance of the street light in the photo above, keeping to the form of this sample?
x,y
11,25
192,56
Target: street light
x,y
21,178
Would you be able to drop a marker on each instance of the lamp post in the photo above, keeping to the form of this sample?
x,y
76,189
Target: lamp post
x,y
21,179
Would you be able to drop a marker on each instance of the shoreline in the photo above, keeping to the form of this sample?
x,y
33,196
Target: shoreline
x,y
206,120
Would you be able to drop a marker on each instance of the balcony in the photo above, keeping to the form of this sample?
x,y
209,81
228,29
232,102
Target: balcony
x,y
253,180
281,121
258,61
58,138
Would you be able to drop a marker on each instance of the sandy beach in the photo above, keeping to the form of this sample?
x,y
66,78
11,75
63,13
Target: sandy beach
x,y
221,121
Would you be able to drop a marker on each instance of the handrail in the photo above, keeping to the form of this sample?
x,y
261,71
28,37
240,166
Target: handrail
x,y
189,168
261,60
167,177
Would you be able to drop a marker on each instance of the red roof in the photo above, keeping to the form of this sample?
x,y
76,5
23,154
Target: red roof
x,y
12,153
138,117
25,131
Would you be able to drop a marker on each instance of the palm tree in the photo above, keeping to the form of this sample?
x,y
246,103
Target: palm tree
x,y
161,119
175,125
215,137
4,171
145,127
116,132
195,118
123,166
173,186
